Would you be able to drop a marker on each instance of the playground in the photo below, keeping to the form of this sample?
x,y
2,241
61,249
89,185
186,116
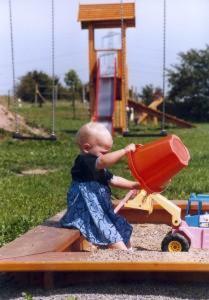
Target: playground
x,y
37,194
38,150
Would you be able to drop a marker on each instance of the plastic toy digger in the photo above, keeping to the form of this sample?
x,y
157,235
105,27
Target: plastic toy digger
x,y
193,231
153,165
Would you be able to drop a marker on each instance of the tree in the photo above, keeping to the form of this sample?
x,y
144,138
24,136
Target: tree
x,y
28,83
74,83
189,85
150,93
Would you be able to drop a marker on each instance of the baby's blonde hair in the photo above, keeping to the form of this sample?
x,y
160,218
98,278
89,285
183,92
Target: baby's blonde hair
x,y
88,131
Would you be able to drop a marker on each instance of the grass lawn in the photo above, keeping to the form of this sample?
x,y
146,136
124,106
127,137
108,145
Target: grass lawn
x,y
27,200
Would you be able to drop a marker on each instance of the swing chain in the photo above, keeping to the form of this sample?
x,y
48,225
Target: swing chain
x,y
164,63
53,67
13,66
123,75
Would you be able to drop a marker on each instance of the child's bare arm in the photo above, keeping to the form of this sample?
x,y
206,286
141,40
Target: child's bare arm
x,y
109,159
123,183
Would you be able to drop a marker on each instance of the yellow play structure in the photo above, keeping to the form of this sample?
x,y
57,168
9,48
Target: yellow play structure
x,y
113,86
109,98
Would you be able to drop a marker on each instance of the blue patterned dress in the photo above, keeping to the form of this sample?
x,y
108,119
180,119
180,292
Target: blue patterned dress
x,y
89,206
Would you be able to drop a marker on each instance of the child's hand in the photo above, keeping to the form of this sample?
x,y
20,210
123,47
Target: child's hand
x,y
136,185
129,148
134,193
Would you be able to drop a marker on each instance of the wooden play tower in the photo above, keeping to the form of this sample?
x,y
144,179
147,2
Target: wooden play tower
x,y
103,16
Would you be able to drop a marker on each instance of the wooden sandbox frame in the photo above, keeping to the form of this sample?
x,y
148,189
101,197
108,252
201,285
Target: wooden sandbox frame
x,y
49,254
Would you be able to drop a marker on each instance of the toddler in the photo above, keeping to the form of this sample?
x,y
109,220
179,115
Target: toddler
x,y
89,205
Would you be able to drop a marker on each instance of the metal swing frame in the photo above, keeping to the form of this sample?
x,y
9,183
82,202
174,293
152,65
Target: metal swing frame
x,y
17,134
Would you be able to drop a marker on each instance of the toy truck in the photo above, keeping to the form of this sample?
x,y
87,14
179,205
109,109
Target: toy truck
x,y
193,231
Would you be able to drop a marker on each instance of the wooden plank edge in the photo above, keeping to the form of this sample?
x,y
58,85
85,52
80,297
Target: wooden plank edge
x,y
101,266
56,262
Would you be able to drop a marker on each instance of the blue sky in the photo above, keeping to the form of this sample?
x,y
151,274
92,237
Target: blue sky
x,y
187,27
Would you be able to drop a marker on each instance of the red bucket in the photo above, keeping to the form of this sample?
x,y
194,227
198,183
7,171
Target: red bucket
x,y
155,163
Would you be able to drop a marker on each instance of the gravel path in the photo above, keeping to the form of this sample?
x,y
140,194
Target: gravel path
x,y
146,242
141,290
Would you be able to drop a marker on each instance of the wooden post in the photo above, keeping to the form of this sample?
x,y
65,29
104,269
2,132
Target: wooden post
x,y
73,102
48,280
83,94
36,94
92,61
136,94
8,99
124,80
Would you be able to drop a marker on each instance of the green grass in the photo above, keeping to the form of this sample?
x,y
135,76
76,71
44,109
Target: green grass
x,y
26,201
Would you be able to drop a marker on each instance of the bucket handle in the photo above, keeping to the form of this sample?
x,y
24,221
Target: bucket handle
x,y
137,146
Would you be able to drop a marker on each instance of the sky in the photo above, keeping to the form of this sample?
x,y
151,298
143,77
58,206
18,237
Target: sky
x,y
187,26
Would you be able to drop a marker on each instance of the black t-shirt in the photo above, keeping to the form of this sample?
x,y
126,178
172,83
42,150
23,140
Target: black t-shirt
x,y
84,169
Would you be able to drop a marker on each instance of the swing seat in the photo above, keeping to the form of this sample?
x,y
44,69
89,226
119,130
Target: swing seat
x,y
19,136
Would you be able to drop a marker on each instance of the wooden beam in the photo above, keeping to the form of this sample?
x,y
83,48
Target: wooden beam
x,y
139,107
92,66
106,14
44,238
66,261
